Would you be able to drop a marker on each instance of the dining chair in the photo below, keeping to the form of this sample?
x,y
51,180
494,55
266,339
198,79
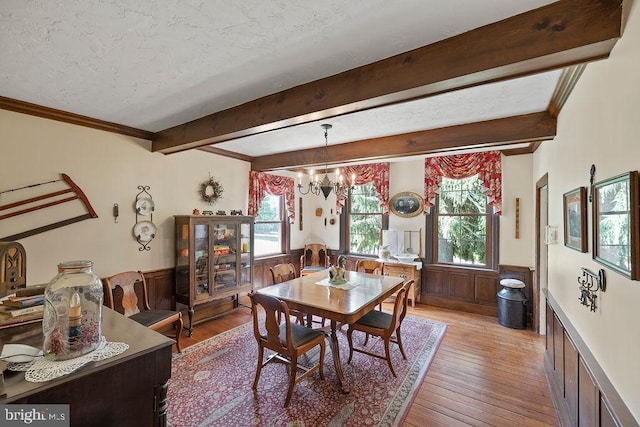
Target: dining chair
x,y
283,272
314,258
383,325
370,266
127,294
288,340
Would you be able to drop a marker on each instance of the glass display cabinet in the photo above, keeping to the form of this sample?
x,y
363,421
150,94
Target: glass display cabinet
x,y
214,259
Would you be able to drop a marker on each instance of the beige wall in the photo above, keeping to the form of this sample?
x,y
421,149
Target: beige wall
x,y
108,168
599,125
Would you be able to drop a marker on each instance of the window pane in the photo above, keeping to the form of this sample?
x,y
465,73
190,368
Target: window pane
x,y
267,238
364,199
462,222
268,232
365,220
462,196
270,209
364,234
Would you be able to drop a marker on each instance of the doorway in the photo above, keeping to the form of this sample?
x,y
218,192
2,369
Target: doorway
x,y
542,266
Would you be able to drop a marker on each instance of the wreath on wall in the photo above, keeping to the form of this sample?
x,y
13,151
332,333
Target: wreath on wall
x,y
210,191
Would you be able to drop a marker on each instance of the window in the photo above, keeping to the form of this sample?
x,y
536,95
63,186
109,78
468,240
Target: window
x,y
364,221
270,227
464,227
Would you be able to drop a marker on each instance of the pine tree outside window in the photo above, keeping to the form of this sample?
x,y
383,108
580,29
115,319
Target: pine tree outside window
x,y
464,224
365,220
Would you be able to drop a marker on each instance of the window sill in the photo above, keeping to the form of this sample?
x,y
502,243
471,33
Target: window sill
x,y
460,267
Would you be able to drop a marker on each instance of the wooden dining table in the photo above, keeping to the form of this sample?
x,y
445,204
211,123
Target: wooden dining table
x,y
341,304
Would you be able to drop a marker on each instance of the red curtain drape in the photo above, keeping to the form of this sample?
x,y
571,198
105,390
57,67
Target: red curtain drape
x,y
261,183
488,165
377,173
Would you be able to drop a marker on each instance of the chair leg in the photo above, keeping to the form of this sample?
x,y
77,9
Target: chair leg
x,y
292,379
259,369
387,351
179,333
399,339
349,338
366,339
322,350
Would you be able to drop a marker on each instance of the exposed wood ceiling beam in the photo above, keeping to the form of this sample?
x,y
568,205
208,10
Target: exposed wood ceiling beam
x,y
510,130
560,34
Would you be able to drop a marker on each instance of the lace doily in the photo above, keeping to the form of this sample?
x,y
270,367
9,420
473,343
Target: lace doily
x,y
42,369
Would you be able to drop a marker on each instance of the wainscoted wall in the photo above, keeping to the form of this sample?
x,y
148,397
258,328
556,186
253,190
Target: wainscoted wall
x,y
161,285
470,290
262,275
582,392
462,289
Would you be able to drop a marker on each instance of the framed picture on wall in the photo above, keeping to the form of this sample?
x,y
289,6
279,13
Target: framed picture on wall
x,y
615,224
575,219
406,204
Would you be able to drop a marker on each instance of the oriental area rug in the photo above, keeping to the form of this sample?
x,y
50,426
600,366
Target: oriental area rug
x,y
211,382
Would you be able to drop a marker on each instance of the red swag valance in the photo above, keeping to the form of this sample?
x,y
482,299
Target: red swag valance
x,y
261,183
487,165
377,173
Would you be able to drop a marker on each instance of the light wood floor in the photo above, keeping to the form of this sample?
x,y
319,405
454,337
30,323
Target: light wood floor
x,y
483,374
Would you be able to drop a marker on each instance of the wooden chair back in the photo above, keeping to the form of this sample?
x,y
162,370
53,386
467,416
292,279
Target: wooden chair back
x,y
127,294
400,307
370,266
282,272
268,332
314,258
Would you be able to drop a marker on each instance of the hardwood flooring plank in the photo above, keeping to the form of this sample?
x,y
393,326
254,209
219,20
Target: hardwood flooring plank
x,y
529,407
483,374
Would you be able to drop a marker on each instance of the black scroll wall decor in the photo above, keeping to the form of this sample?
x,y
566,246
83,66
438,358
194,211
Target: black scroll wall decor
x,y
590,283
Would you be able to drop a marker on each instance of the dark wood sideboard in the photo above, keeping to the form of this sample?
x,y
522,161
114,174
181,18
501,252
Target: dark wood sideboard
x,y
129,389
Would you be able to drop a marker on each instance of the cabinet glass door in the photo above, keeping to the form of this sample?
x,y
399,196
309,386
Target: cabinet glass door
x,y
225,251
182,259
246,253
202,287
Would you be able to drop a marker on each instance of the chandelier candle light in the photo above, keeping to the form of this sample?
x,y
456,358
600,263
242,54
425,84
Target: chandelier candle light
x,y
325,186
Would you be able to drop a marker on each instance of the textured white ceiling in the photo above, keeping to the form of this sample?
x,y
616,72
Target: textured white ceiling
x,y
153,64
